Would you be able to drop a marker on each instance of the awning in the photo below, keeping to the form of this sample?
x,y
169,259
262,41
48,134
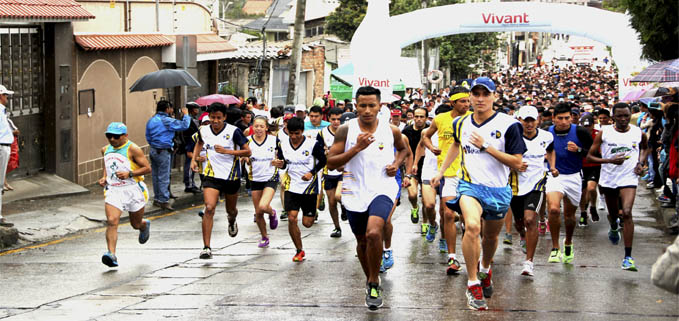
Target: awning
x,y
51,10
408,73
121,41
211,43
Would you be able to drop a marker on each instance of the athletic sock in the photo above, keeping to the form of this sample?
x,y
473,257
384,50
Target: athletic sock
x,y
472,283
299,250
628,251
555,249
451,256
567,249
387,249
483,269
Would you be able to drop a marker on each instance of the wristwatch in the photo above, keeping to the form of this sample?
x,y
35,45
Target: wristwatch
x,y
484,146
130,173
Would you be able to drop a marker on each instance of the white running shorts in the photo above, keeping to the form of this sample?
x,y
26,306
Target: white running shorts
x,y
570,185
129,198
449,188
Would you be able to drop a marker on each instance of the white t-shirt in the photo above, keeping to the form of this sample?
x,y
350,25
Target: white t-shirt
x,y
615,143
222,166
535,177
299,161
328,138
260,169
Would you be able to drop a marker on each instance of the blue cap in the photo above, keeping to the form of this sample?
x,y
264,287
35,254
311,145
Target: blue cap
x,y
485,82
116,128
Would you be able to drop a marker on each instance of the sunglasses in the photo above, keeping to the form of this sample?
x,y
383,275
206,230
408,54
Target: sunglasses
x,y
114,136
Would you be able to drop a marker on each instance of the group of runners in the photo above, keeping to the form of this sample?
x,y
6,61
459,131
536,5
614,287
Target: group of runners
x,y
478,163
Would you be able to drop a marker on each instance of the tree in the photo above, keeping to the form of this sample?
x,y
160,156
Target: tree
x,y
460,51
656,21
296,58
346,18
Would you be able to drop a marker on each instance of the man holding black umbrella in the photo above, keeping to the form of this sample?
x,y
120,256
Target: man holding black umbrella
x,y
160,130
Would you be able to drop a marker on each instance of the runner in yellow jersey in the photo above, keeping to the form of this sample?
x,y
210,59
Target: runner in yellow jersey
x,y
443,126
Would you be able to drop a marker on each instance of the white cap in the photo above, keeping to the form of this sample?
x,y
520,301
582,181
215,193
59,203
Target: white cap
x,y
528,112
204,118
4,91
300,107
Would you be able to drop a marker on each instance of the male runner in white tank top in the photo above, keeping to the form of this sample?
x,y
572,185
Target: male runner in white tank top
x,y
365,147
624,151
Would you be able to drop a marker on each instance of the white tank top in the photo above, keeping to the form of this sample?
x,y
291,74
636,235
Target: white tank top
x,y
615,143
222,166
365,177
260,169
299,161
430,164
118,159
328,140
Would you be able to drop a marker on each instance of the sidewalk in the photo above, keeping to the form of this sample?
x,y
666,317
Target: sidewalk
x,y
50,212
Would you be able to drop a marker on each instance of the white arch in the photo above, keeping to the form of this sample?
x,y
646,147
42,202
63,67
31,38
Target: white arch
x,y
377,41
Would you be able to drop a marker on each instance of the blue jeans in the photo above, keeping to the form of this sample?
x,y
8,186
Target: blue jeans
x,y
188,173
160,172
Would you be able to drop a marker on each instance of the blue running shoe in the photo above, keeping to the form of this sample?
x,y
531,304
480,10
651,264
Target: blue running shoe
x,y
614,236
387,259
443,246
628,264
382,268
431,233
646,177
145,233
109,259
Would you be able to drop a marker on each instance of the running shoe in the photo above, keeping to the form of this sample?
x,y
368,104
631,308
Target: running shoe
x,y
664,199
601,204
145,233
582,222
628,264
109,259
336,233
527,268
522,243
264,242
321,206
621,223
508,239
443,246
425,228
567,259
388,259
201,213
646,177
542,227
284,216
614,236
233,228
674,221
547,226
454,266
273,220
554,256
373,299
299,257
594,213
486,283
415,215
206,253
382,268
431,233
475,299
343,216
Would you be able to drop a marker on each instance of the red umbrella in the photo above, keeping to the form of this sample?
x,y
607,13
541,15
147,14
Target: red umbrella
x,y
217,98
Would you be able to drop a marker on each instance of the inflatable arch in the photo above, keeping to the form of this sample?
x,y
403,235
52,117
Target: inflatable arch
x,y
377,42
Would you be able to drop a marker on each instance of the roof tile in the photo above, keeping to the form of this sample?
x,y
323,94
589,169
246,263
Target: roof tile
x,y
121,41
43,9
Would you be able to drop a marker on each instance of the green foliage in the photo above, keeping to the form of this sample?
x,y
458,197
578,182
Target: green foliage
x,y
227,89
614,5
346,18
235,10
657,22
460,51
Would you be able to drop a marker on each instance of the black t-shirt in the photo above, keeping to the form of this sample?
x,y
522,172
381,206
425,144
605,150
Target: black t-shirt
x,y
414,136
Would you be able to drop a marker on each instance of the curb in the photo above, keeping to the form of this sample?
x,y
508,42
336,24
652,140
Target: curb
x,y
665,214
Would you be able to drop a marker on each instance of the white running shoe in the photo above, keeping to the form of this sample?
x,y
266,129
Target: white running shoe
x,y
527,268
602,203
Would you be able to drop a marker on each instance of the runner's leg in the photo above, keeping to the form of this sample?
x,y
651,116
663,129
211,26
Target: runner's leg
x,y
332,207
569,210
112,220
627,195
554,208
293,229
210,197
373,235
259,214
471,248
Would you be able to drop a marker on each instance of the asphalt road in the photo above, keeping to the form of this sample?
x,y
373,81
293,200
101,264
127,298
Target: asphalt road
x,y
164,279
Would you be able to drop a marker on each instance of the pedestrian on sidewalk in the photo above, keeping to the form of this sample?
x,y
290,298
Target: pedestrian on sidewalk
x,y
160,130
189,175
6,139
125,166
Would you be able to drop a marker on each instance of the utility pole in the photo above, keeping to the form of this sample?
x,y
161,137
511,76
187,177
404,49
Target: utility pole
x,y
296,58
425,58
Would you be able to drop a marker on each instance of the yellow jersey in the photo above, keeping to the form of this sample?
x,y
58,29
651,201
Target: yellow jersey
x,y
444,124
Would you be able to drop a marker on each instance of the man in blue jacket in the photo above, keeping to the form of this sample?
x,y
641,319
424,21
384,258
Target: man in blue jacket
x,y
160,130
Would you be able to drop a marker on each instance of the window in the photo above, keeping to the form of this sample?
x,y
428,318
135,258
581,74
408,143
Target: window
x,y
85,101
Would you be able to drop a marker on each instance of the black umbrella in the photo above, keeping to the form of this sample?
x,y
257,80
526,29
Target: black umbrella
x,y
165,78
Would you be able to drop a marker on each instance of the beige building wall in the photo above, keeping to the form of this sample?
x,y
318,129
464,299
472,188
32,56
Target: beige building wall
x,y
182,18
107,84
140,106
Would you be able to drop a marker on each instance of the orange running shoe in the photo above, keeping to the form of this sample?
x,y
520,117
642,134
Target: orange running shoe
x,y
299,257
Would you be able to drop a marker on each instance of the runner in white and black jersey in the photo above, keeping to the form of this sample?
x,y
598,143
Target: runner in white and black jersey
x,y
331,178
263,175
365,147
302,158
201,158
224,144
282,135
624,151
529,182
489,143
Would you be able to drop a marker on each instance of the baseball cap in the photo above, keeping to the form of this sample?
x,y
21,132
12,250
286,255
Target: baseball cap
x,y
396,112
288,116
116,128
204,118
575,111
289,109
347,116
485,82
587,120
5,91
528,112
300,107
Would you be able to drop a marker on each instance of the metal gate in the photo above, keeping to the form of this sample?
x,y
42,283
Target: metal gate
x,y
22,70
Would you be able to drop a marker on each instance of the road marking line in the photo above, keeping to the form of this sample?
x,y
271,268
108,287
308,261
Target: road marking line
x,y
73,237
